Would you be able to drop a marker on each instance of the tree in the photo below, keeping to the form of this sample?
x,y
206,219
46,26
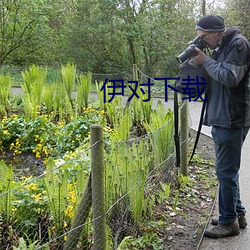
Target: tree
x,y
237,13
21,21
102,36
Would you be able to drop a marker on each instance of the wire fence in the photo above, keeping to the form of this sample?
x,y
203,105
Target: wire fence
x,y
55,210
47,204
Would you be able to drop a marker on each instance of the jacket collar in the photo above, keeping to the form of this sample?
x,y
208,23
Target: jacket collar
x,y
231,32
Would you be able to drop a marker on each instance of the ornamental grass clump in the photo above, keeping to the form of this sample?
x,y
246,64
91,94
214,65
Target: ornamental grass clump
x,y
83,91
34,80
68,75
160,131
126,169
5,91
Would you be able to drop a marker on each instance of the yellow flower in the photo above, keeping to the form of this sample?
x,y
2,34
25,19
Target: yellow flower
x,y
73,199
37,196
38,155
6,132
16,152
69,211
12,145
31,187
45,151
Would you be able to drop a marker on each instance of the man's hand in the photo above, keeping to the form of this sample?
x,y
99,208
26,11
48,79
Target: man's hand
x,y
200,58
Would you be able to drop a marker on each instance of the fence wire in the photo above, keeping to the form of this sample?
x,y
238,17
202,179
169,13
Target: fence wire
x,y
41,210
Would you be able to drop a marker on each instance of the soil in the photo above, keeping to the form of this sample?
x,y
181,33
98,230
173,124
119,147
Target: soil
x,y
188,221
25,164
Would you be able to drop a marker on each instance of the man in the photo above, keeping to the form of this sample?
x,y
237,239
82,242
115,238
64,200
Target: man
x,y
228,112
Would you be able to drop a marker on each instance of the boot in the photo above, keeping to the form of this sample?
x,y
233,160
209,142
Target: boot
x,y
241,219
221,231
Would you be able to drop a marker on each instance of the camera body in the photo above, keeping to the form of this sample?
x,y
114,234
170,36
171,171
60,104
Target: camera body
x,y
190,51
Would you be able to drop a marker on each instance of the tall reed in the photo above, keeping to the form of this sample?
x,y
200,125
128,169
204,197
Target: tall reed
x,y
56,184
6,184
33,86
141,111
68,74
83,90
62,106
5,90
126,172
161,129
113,107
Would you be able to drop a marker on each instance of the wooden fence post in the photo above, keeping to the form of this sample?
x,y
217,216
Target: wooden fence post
x,y
80,218
98,194
184,138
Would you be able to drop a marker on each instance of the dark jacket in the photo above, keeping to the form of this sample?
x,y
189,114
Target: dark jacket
x,y
228,103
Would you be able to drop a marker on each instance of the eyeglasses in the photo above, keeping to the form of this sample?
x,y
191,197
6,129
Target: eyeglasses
x,y
203,36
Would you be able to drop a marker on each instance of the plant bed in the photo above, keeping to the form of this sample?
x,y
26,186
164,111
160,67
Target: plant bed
x,y
181,215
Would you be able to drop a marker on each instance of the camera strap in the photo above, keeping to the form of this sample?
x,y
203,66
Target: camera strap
x,y
198,131
176,130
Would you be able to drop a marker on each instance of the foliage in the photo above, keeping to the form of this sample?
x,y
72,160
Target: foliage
x,y
55,98
68,74
6,184
34,81
44,138
23,25
236,13
162,140
42,135
5,90
56,184
106,36
147,241
141,109
48,98
127,168
30,204
22,245
126,171
43,207
83,90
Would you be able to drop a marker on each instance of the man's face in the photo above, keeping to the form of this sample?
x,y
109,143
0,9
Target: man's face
x,y
211,38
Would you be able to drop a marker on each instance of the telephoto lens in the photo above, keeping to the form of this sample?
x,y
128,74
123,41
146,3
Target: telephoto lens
x,y
190,51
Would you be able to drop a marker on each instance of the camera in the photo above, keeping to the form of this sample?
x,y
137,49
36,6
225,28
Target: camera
x,y
190,51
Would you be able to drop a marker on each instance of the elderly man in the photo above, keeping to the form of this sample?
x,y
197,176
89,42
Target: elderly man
x,y
228,112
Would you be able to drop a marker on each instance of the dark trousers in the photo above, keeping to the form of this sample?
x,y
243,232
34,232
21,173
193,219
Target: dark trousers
x,y
228,145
